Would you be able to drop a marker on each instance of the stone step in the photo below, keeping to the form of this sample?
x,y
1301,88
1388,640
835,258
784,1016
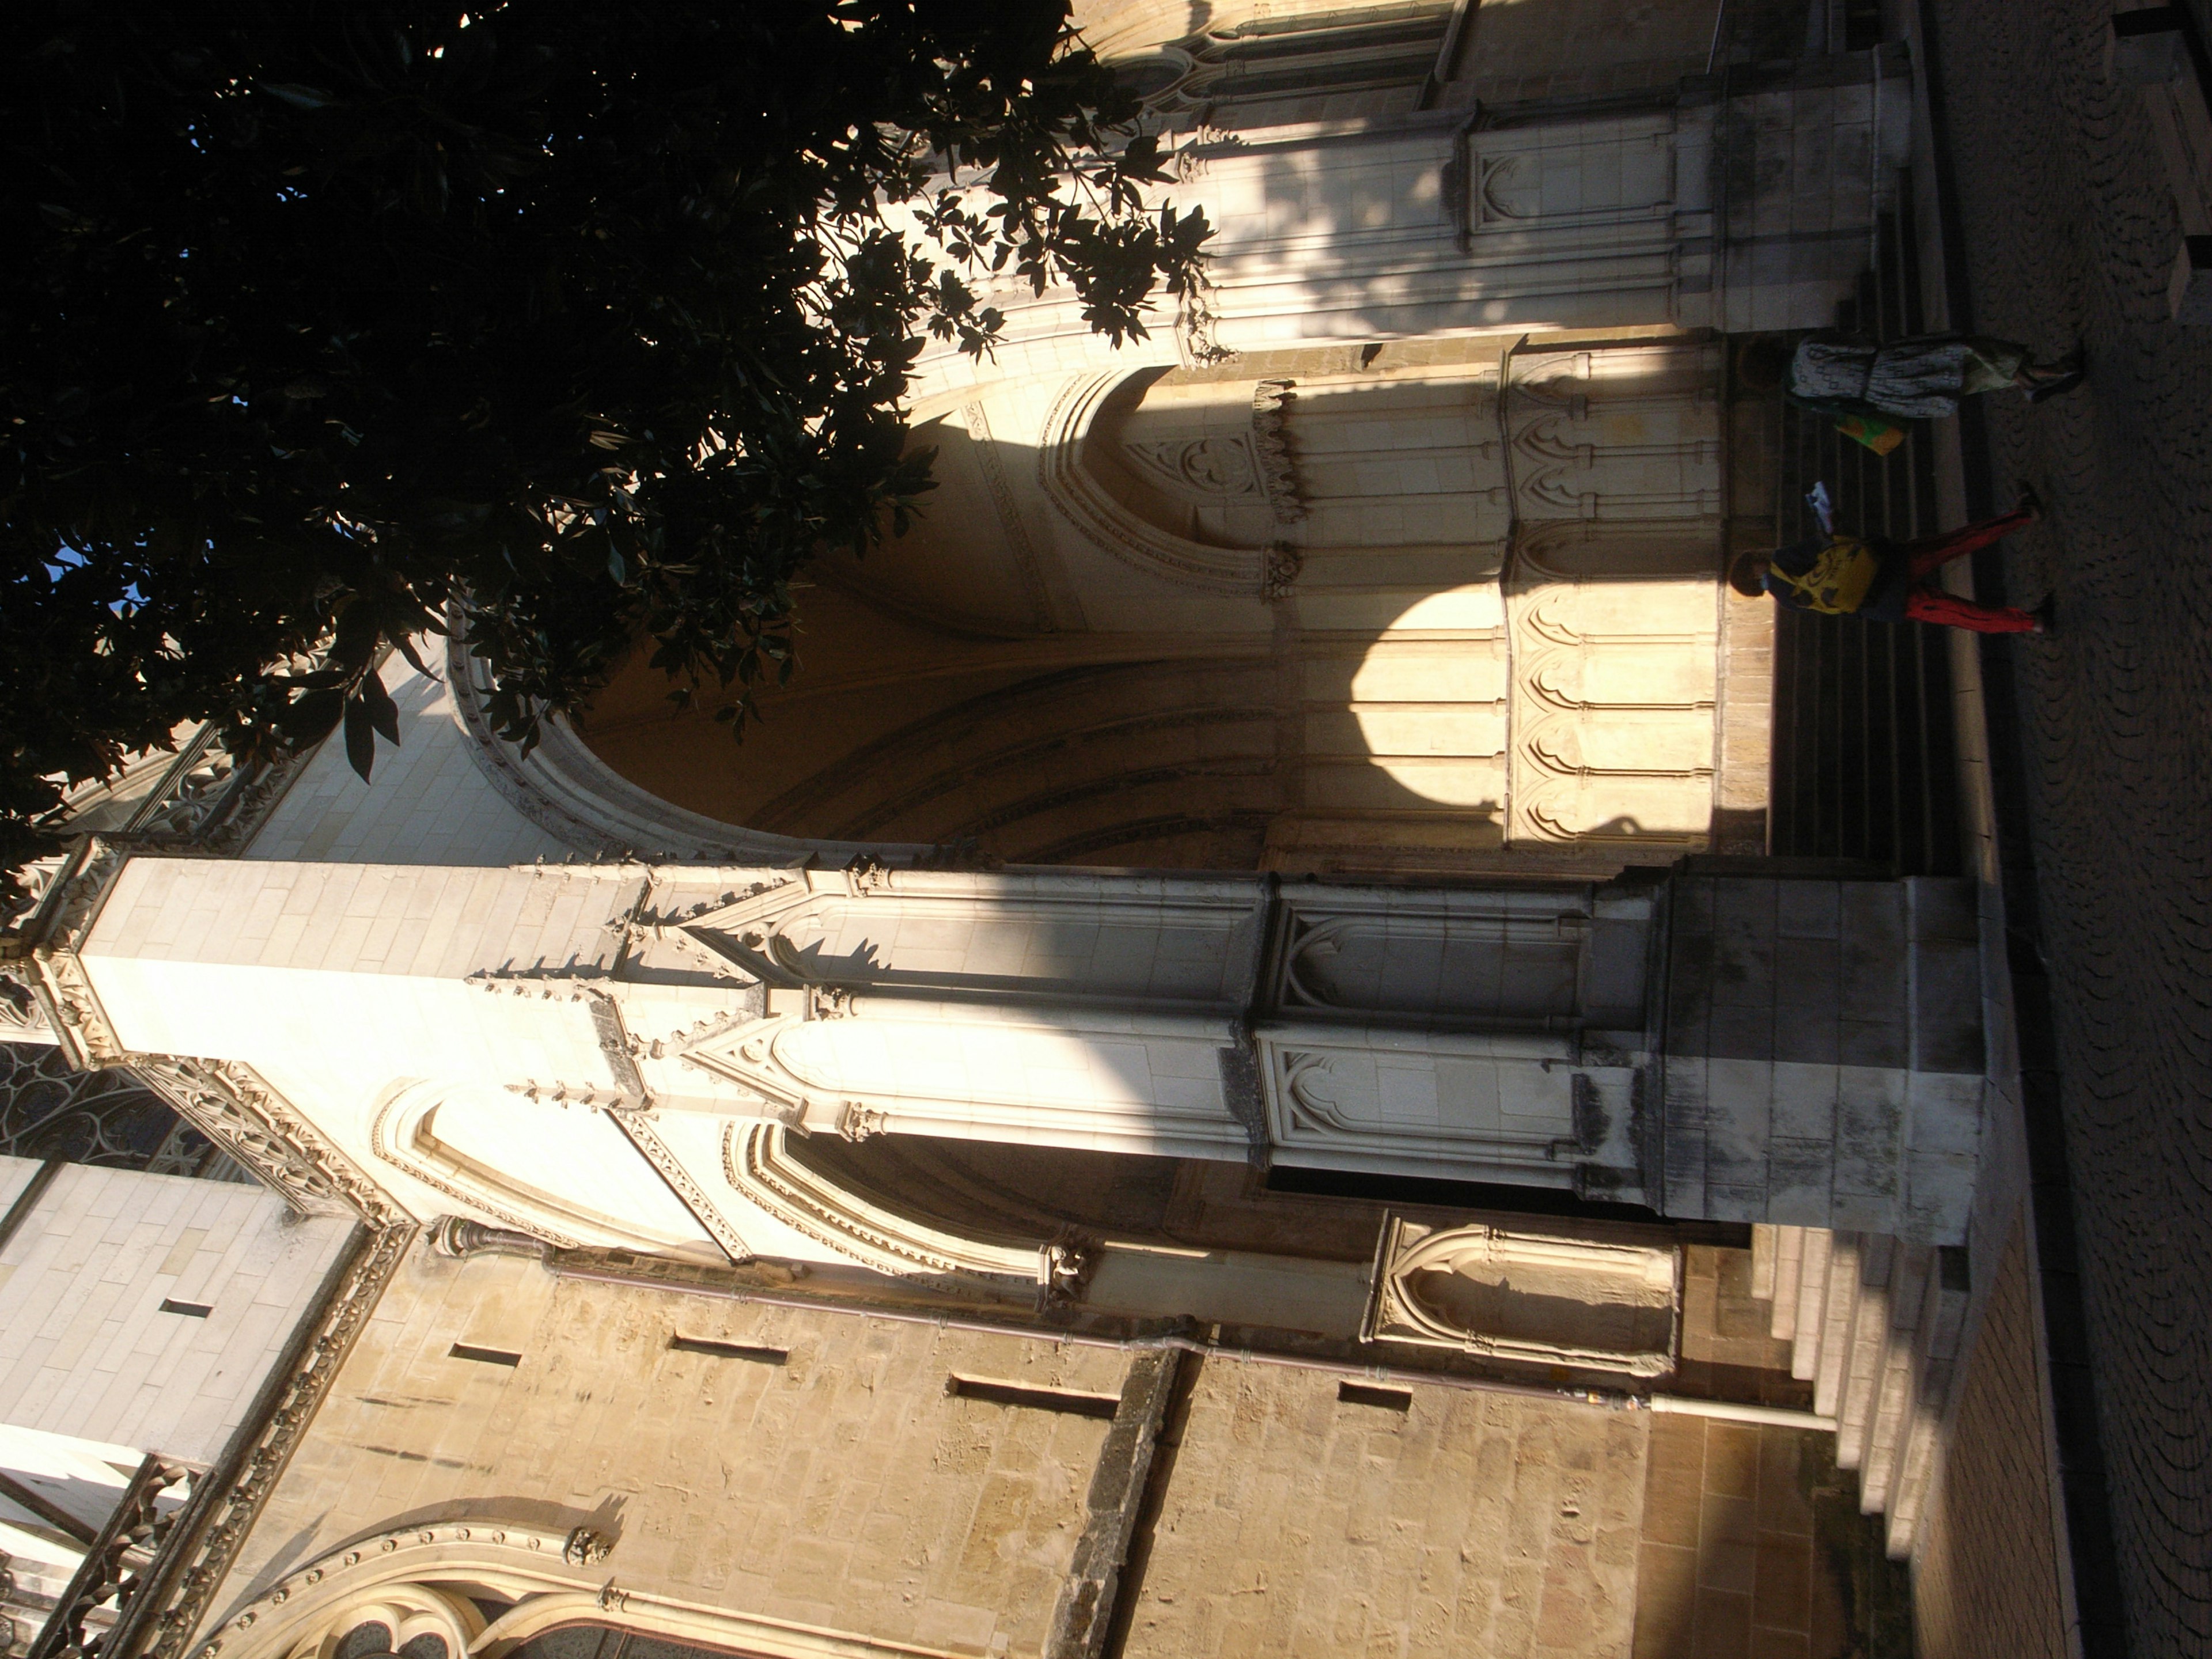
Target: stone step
x,y
1874,1323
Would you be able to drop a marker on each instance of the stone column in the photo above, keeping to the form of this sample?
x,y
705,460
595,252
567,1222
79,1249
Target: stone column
x,y
1725,1048
1823,1053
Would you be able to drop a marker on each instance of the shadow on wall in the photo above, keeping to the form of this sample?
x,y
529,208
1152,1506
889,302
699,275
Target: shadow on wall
x,y
1324,611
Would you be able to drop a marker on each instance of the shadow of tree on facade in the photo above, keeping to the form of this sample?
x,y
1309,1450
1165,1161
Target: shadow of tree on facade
x,y
1132,643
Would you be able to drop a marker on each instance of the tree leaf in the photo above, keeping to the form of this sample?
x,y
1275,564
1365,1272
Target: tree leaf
x,y
405,647
383,712
360,737
298,96
309,363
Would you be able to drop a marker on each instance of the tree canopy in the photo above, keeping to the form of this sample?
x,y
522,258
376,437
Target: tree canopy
x,y
589,324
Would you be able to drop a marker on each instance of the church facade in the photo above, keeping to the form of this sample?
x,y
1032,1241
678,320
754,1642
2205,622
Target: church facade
x,y
1226,1070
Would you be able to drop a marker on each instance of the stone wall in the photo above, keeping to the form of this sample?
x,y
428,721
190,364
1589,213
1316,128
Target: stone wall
x,y
847,1488
1297,1522
1514,50
843,1487
429,802
1986,1578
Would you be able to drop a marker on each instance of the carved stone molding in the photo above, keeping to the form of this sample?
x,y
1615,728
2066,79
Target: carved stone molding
x,y
638,1126
1278,478
136,1528
209,802
57,931
1530,1297
1511,1107
1197,340
1204,466
992,462
23,1014
230,1103
587,1547
758,1167
391,1135
865,873
459,1238
1109,525
503,764
405,1577
1613,690
206,803
857,1121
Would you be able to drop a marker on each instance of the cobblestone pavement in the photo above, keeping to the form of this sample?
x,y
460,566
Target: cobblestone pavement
x,y
2070,232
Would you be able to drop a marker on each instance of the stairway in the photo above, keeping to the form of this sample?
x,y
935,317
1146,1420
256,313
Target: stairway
x,y
1864,761
1874,1325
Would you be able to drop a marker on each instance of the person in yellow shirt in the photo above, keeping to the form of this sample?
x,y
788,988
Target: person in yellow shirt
x,y
1840,575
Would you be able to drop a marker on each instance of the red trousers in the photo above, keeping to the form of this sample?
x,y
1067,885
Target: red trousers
x,y
1926,602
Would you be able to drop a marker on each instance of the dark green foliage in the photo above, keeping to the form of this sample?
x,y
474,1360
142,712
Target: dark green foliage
x,y
318,321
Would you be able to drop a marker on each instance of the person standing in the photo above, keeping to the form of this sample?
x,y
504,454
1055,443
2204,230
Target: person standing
x,y
1878,581
1921,377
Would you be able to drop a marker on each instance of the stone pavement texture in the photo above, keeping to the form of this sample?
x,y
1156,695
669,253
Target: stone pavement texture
x,y
2070,232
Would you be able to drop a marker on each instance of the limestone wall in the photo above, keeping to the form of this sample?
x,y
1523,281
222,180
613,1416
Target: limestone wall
x,y
845,1489
1299,1523
1327,610
429,802
842,1488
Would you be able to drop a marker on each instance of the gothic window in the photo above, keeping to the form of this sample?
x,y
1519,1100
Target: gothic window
x,y
107,1117
607,1642
372,1639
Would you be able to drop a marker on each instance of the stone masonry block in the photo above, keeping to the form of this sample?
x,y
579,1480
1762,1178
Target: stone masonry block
x,y
1689,1003
2145,47
1808,909
1736,1202
1874,957
1800,1178
1944,1113
1876,1042
1684,1148
1807,985
1804,1102
1739,1099
1743,937
1947,1007
1614,987
1869,1133
1866,1213
1741,1033
1943,908
1939,1197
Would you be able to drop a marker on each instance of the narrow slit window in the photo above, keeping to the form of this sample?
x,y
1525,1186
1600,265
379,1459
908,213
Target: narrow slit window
x,y
758,1353
486,1355
1076,1403
1368,1394
190,1309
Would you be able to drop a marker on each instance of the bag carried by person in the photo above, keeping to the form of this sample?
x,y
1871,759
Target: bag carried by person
x,y
1837,583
